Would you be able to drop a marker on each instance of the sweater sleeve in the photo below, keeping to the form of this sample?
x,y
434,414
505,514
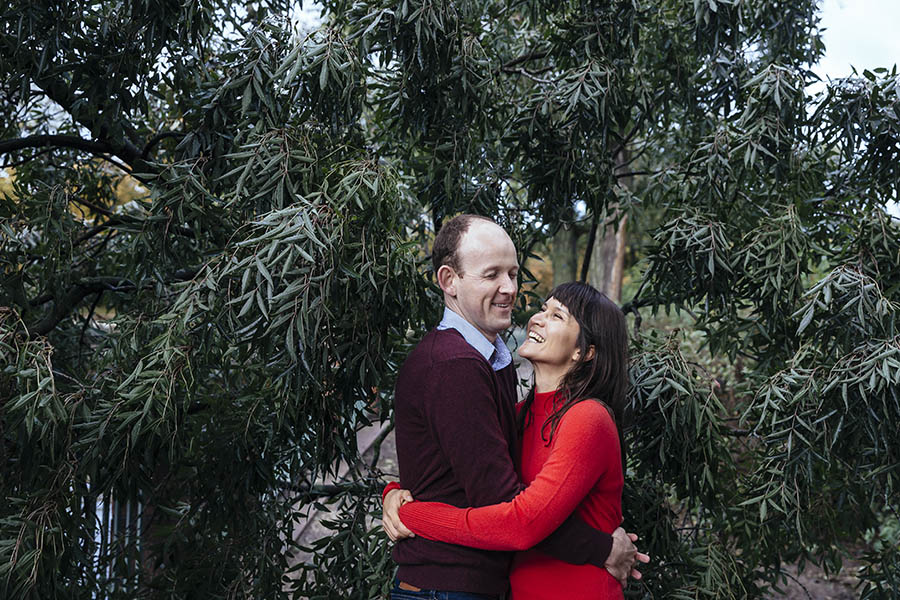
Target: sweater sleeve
x,y
577,460
391,486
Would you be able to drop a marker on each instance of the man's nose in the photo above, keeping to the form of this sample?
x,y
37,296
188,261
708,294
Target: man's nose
x,y
509,286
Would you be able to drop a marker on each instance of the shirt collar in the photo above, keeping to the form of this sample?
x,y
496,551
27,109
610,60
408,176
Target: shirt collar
x,y
496,352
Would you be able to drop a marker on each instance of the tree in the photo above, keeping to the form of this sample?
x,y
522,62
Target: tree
x,y
206,350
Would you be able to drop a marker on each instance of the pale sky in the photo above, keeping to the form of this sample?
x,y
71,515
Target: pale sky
x,y
862,33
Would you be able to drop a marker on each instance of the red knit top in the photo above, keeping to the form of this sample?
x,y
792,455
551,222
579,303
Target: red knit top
x,y
580,469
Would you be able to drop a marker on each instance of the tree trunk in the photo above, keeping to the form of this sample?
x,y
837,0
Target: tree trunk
x,y
607,267
608,259
564,254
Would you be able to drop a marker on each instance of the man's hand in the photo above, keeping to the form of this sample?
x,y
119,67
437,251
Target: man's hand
x,y
623,556
390,517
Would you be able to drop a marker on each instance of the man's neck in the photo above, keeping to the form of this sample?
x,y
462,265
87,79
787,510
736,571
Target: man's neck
x,y
449,303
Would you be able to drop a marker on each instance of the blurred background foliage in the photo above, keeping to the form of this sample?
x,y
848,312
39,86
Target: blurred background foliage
x,y
213,237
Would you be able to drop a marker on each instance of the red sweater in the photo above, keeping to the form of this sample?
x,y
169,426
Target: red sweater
x,y
581,470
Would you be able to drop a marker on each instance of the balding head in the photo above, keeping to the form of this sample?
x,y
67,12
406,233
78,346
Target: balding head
x,y
446,244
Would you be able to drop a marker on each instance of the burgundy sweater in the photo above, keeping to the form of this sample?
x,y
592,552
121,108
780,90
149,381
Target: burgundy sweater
x,y
456,439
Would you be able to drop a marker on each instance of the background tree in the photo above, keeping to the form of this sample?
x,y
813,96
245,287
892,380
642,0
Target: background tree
x,y
206,350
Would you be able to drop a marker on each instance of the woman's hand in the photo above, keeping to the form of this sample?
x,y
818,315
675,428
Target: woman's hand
x,y
390,515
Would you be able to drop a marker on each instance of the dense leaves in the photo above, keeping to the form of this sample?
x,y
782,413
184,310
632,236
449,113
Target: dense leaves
x,y
212,249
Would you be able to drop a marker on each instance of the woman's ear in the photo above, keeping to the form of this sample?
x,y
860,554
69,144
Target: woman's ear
x,y
590,354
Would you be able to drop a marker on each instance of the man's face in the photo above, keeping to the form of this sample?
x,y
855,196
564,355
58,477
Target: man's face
x,y
485,292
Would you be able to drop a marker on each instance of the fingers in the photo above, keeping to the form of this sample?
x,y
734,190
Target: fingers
x,y
397,531
633,537
390,518
402,531
389,530
639,557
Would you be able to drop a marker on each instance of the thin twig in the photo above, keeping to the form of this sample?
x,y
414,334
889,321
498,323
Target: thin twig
x,y
26,159
90,314
534,55
376,443
157,139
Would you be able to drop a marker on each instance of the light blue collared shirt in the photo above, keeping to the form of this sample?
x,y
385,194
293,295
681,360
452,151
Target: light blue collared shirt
x,y
496,353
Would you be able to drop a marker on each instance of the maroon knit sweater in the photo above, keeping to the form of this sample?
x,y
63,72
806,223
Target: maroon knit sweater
x,y
456,442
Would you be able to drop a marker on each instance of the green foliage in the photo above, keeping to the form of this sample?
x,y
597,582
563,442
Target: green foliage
x,y
206,347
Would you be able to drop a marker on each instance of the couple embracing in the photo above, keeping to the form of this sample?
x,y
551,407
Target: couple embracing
x,y
523,498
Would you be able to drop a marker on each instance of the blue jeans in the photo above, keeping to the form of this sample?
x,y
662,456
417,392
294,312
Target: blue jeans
x,y
398,594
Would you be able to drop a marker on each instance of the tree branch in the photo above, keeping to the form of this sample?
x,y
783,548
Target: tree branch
x,y
586,263
633,173
535,78
60,93
626,139
535,55
59,141
63,305
157,139
16,163
87,319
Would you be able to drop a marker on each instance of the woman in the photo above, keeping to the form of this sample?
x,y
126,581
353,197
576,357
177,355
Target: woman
x,y
571,450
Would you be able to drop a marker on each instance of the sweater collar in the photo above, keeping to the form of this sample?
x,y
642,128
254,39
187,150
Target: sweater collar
x,y
543,402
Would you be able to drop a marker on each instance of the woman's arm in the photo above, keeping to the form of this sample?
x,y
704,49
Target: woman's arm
x,y
579,457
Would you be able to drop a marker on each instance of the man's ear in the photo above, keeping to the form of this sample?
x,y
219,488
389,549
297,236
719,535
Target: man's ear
x,y
446,278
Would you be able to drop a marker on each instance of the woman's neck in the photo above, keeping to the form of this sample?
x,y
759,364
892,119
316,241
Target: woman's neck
x,y
546,380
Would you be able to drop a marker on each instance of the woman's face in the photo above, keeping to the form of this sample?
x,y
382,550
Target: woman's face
x,y
552,338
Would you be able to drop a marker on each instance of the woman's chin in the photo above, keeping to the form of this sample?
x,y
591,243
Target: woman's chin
x,y
526,351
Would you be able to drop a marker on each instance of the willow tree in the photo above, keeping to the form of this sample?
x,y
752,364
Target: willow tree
x,y
200,354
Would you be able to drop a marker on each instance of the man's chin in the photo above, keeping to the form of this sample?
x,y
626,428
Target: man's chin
x,y
502,325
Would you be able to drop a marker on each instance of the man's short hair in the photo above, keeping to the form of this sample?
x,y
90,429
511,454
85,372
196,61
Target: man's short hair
x,y
445,250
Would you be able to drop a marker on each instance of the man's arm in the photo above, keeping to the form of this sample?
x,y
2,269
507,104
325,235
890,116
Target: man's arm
x,y
580,541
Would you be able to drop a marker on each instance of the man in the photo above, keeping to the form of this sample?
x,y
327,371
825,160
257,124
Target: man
x,y
455,423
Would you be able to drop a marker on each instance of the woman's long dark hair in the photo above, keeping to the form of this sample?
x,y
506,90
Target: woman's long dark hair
x,y
604,376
